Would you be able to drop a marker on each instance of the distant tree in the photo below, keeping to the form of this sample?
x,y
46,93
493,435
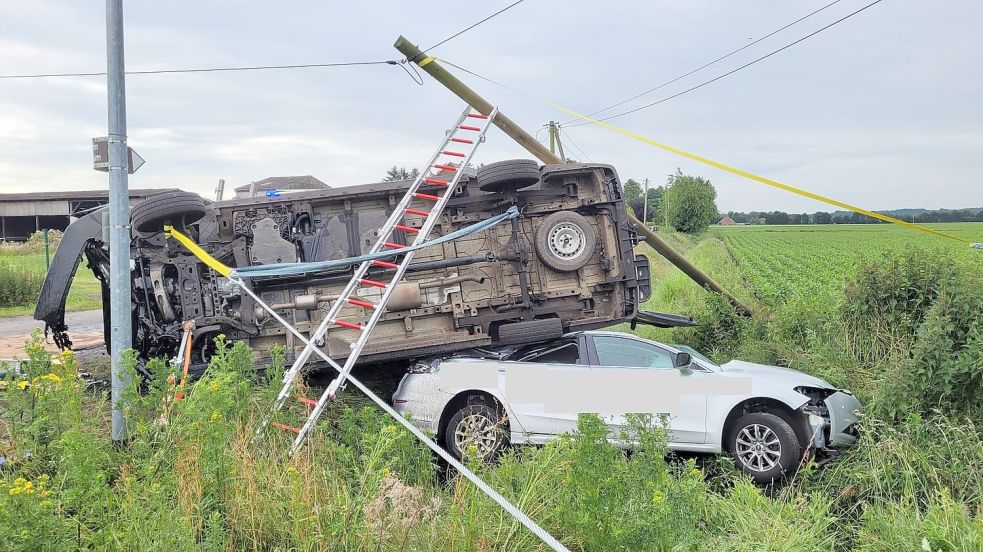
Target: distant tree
x,y
804,218
822,217
689,202
777,217
400,173
654,199
633,196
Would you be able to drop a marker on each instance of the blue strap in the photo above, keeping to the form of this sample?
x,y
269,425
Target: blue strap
x,y
293,269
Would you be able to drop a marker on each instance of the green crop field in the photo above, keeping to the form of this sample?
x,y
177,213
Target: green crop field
x,y
783,261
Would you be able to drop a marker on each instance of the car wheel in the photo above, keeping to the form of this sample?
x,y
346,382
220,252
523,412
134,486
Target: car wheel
x,y
764,447
510,174
479,425
565,241
177,208
530,331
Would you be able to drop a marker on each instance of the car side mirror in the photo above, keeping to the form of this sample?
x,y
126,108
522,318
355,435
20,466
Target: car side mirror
x,y
683,360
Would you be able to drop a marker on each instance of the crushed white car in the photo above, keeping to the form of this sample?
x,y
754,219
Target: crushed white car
x,y
766,417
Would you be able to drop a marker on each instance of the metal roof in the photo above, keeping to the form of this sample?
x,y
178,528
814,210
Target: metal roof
x,y
82,195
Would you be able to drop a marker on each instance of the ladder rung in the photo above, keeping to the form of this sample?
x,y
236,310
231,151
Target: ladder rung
x,y
285,427
385,264
435,181
307,400
453,153
349,325
417,212
466,127
451,168
360,303
405,228
418,195
477,116
373,283
392,245
461,141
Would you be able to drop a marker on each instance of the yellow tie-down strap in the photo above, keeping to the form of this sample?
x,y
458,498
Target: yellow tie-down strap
x,y
196,249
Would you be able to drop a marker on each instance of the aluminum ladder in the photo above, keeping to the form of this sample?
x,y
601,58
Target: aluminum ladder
x,y
459,145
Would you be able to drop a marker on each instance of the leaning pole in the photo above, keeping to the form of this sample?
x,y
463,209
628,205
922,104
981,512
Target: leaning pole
x,y
524,139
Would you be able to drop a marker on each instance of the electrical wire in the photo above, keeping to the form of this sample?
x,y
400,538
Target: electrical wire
x,y
569,139
468,28
732,71
210,69
705,65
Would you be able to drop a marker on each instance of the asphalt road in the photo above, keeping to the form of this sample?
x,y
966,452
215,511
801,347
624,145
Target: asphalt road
x,y
84,329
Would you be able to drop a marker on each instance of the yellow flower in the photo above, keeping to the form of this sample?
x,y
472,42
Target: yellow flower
x,y
216,416
213,386
390,429
23,384
291,469
658,498
386,472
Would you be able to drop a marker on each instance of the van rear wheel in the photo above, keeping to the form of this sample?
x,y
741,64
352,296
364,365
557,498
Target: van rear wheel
x,y
176,208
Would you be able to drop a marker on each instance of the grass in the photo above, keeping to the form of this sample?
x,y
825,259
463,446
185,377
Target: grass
x,y
201,482
84,294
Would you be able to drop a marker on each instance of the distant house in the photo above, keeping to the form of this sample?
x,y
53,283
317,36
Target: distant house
x,y
281,184
726,221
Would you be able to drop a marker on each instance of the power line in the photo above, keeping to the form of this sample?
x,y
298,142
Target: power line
x,y
569,139
705,65
732,71
468,28
209,69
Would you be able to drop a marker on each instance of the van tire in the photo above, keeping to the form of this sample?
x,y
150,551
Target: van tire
x,y
530,331
511,174
177,208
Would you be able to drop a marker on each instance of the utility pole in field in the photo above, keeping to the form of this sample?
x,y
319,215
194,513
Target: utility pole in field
x,y
555,143
645,203
121,334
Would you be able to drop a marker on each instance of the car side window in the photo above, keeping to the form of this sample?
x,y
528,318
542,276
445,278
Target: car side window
x,y
560,353
618,351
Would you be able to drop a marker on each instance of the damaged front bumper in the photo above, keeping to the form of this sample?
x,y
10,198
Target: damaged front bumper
x,y
833,420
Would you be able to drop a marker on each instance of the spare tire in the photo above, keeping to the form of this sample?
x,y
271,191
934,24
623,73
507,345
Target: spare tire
x,y
565,241
177,208
510,174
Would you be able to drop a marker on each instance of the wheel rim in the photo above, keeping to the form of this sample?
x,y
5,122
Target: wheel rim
x,y
566,240
477,430
758,447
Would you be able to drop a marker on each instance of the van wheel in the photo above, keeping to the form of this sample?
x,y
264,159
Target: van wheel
x,y
764,447
511,174
177,208
476,429
565,241
530,331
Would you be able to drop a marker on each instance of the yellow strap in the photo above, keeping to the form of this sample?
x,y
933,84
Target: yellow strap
x,y
757,178
425,61
170,232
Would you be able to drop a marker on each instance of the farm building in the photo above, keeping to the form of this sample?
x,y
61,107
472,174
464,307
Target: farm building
x,y
726,221
23,214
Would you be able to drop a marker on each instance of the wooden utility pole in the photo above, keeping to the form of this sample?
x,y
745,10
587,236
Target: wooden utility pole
x,y
433,68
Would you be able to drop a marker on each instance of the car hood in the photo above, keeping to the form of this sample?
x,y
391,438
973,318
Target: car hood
x,y
774,374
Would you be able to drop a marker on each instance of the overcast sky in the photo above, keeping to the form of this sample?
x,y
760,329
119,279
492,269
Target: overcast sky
x,y
882,110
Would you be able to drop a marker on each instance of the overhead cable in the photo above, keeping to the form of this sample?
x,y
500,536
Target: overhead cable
x,y
732,71
705,65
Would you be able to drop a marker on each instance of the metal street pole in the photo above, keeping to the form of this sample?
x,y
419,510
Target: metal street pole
x,y
121,335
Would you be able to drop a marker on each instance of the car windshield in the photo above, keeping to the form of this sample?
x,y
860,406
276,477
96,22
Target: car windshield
x,y
694,354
